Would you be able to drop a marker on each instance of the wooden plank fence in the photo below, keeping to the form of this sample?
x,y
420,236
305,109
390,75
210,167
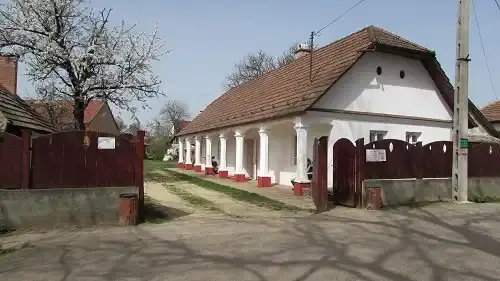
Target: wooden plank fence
x,y
71,160
433,160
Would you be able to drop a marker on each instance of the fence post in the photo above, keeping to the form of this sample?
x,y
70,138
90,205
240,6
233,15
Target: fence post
x,y
139,170
26,159
360,171
418,155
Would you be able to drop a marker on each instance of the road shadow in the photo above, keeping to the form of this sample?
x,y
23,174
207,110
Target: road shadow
x,y
403,245
155,212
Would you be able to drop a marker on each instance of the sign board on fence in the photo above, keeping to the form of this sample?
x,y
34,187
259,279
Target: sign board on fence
x,y
106,143
375,155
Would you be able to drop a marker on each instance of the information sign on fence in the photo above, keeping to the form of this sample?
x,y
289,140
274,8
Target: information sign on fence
x,y
106,143
375,155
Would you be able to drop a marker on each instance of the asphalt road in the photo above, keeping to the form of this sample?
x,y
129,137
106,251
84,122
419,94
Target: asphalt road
x,y
439,242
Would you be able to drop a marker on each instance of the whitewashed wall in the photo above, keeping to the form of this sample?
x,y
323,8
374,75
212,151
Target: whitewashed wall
x,y
362,90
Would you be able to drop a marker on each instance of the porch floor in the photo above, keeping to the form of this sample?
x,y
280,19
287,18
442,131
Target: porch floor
x,y
277,192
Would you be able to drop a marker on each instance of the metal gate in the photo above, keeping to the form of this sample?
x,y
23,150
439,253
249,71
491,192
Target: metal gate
x,y
344,173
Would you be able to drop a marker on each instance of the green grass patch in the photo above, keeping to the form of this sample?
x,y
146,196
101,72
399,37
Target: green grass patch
x,y
411,203
14,249
193,199
151,165
484,199
238,194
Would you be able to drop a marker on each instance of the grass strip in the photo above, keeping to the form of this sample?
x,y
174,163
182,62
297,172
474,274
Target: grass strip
x,y
193,199
238,194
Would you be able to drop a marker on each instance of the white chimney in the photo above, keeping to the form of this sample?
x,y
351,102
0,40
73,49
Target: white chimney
x,y
302,50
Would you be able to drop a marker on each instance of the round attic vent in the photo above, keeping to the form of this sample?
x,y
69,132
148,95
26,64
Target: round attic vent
x,y
402,74
379,70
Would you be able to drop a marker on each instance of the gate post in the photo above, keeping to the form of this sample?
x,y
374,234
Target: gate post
x,y
26,160
360,171
418,155
139,170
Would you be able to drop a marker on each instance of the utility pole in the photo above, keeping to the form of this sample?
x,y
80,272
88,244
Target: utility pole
x,y
311,46
461,105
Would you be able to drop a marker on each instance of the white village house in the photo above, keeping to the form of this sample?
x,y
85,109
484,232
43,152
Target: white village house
x,y
371,84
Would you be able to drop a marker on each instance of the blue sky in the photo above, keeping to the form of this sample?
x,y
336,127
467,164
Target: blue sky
x,y
208,37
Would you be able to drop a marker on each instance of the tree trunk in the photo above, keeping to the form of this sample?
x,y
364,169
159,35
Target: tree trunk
x,y
78,113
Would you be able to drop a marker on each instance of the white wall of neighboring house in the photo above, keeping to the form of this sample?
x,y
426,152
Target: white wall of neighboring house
x,y
363,91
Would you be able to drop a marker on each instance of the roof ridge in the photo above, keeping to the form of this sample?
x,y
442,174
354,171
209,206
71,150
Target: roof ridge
x,y
372,27
490,104
286,90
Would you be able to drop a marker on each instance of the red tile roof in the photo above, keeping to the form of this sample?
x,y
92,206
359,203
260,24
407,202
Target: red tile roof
x,y
18,113
492,111
67,109
183,124
287,91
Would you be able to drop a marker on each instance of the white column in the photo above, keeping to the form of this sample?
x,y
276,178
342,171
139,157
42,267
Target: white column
x,y
222,164
181,152
239,152
208,152
197,151
188,152
301,172
264,153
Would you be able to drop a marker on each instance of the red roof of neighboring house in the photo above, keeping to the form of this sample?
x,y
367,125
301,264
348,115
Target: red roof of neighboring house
x,y
183,124
492,111
66,109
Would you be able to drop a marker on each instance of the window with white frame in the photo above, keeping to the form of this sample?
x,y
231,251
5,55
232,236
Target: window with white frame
x,y
377,135
413,137
294,150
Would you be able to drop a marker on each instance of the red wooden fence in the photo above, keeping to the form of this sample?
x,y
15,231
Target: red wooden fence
x,y
71,160
433,160
11,149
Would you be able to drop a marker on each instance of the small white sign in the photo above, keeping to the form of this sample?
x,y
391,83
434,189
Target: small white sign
x,y
375,155
106,143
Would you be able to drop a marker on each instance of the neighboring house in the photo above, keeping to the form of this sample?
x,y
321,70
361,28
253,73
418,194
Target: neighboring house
x,y
15,114
371,84
97,116
492,112
174,148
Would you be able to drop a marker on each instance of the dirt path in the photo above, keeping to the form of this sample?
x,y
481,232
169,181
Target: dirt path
x,y
224,203
232,206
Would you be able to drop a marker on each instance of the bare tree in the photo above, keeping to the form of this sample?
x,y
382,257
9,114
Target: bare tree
x,y
257,64
53,108
120,124
134,127
76,50
173,112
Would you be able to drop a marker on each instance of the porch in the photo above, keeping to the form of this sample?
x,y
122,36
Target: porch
x,y
266,154
277,192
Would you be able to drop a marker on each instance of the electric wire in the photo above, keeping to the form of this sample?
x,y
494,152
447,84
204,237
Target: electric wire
x,y
484,52
317,33
498,5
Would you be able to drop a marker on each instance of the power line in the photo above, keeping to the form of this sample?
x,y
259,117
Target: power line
x,y
343,14
498,5
318,33
482,46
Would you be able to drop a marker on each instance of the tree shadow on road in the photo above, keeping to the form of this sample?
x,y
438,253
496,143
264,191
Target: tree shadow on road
x,y
401,245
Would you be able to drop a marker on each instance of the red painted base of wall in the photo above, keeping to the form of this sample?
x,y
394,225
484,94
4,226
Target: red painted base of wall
x,y
223,174
209,171
298,188
240,178
264,182
180,165
188,166
197,168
